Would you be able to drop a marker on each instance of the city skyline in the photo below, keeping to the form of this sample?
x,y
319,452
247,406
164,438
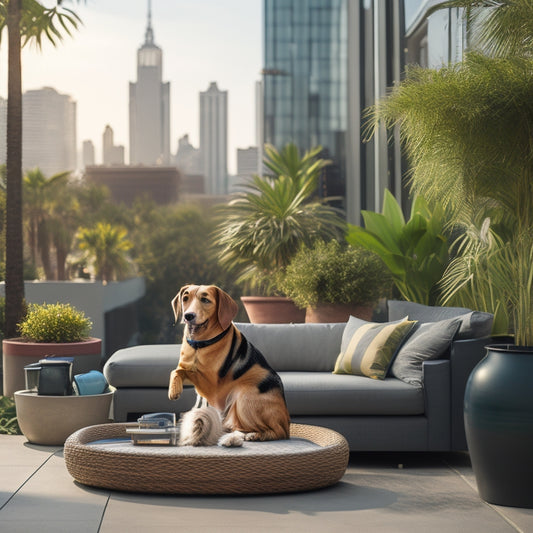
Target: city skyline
x,y
202,42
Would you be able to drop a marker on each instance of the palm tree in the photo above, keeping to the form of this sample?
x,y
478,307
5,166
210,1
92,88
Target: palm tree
x,y
2,220
63,224
106,246
263,228
26,21
40,195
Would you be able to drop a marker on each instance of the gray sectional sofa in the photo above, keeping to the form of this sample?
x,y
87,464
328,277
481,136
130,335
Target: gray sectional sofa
x,y
418,406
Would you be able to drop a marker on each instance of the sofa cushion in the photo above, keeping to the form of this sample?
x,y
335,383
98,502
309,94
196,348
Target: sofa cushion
x,y
368,348
142,366
324,393
294,347
474,324
428,341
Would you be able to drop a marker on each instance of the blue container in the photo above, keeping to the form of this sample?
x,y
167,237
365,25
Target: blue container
x,y
93,382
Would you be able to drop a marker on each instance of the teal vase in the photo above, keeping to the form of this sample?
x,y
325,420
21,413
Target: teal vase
x,y
499,425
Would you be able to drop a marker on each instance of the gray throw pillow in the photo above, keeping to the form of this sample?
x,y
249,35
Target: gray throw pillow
x,y
475,325
428,341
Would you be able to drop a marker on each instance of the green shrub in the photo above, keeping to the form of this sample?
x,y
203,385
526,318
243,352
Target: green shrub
x,y
55,323
8,417
331,273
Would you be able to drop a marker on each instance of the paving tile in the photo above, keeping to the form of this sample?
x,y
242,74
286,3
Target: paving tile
x,y
52,501
19,461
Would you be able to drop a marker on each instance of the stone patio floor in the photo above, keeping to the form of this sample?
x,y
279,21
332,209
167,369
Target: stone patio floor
x,y
400,492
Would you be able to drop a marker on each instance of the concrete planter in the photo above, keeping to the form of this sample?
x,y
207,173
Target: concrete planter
x,y
17,353
49,420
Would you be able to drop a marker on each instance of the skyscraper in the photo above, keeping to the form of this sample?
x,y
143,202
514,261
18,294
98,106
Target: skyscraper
x,y
87,153
149,105
214,139
187,157
49,122
111,153
305,82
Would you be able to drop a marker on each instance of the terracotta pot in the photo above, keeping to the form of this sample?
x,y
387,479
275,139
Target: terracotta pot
x,y
272,310
330,313
49,420
17,353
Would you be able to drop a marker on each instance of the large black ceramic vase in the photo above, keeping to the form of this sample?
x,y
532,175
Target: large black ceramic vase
x,y
499,425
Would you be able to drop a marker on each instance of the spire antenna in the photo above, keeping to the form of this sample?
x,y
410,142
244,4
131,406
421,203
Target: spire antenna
x,y
149,35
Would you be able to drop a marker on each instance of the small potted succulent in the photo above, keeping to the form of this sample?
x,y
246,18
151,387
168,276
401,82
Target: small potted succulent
x,y
333,281
49,330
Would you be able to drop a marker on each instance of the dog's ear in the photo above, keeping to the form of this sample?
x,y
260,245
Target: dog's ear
x,y
227,308
176,303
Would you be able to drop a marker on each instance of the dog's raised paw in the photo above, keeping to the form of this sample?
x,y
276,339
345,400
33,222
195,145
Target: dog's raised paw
x,y
175,386
234,439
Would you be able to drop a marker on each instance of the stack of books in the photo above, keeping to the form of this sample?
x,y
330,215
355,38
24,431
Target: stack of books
x,y
155,429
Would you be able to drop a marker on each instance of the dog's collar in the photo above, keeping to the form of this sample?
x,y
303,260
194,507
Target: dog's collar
x,y
202,344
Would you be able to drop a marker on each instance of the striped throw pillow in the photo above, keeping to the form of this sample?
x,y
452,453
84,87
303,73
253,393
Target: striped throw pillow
x,y
368,348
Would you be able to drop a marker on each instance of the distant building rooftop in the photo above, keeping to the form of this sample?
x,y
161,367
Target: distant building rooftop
x,y
127,183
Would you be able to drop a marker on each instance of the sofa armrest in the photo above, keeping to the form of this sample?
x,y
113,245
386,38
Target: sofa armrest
x,y
464,356
436,375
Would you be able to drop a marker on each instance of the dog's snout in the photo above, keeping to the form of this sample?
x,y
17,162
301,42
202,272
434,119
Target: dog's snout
x,y
189,317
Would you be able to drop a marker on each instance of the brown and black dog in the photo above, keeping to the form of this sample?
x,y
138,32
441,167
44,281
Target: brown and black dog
x,y
226,370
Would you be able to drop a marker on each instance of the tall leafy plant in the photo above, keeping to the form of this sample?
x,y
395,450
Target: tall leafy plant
x,y
468,133
262,228
415,252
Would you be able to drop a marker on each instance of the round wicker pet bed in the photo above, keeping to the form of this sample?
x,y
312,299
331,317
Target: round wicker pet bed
x,y
103,456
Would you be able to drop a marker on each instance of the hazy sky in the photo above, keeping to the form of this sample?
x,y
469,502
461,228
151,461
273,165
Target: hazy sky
x,y
202,41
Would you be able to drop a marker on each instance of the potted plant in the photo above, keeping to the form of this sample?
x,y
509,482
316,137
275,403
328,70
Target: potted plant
x,y
49,330
261,229
53,330
468,132
332,281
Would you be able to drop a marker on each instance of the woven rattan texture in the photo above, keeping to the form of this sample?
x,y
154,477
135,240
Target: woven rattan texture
x,y
190,471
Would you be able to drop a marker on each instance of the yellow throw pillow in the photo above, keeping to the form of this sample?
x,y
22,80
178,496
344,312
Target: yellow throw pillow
x,y
368,348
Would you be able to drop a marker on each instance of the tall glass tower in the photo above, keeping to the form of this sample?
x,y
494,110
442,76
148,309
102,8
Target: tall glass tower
x,y
214,139
149,105
305,80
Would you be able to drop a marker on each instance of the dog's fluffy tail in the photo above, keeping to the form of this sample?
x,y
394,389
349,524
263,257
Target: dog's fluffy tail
x,y
200,427
203,427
